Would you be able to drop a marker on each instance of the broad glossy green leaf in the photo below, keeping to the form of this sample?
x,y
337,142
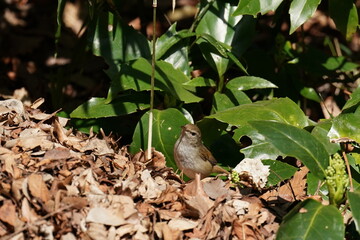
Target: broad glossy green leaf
x,y
201,82
346,126
320,132
172,47
220,29
166,130
280,110
253,7
230,98
116,41
354,201
169,39
99,108
295,142
354,100
311,220
311,94
137,75
279,171
260,148
345,16
249,82
300,11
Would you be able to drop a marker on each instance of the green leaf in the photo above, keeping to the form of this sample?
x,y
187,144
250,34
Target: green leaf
x,y
260,148
115,41
295,142
311,94
312,220
166,41
228,99
221,30
279,171
137,76
354,100
300,11
234,59
346,126
354,201
280,110
345,16
99,108
249,82
320,132
201,82
253,7
166,130
172,47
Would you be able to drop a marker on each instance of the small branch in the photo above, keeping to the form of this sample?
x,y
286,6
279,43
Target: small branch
x,y
152,82
37,222
348,169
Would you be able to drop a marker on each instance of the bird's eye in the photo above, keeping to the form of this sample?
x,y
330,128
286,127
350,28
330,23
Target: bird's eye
x,y
193,133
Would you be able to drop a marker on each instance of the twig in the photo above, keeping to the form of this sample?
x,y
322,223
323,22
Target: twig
x,y
37,222
152,82
348,169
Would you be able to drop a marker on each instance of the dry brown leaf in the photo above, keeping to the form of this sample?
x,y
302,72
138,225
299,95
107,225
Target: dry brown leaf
x,y
168,214
195,196
57,153
291,191
97,231
38,188
8,213
215,188
105,216
182,224
27,212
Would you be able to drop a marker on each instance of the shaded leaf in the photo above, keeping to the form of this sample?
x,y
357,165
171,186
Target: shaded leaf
x,y
279,171
354,201
230,98
222,30
137,76
345,16
172,47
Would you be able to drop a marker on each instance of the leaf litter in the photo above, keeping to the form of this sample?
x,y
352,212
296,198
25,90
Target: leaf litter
x,y
56,183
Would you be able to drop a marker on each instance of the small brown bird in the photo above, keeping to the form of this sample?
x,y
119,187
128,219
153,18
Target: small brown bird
x,y
191,156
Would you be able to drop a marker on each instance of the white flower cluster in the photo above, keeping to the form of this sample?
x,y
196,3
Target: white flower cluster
x,y
254,168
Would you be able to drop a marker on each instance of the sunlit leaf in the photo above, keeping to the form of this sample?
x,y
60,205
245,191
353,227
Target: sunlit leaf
x,y
166,130
300,11
312,220
295,142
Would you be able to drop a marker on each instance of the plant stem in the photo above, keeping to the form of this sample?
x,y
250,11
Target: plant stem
x,y
152,82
